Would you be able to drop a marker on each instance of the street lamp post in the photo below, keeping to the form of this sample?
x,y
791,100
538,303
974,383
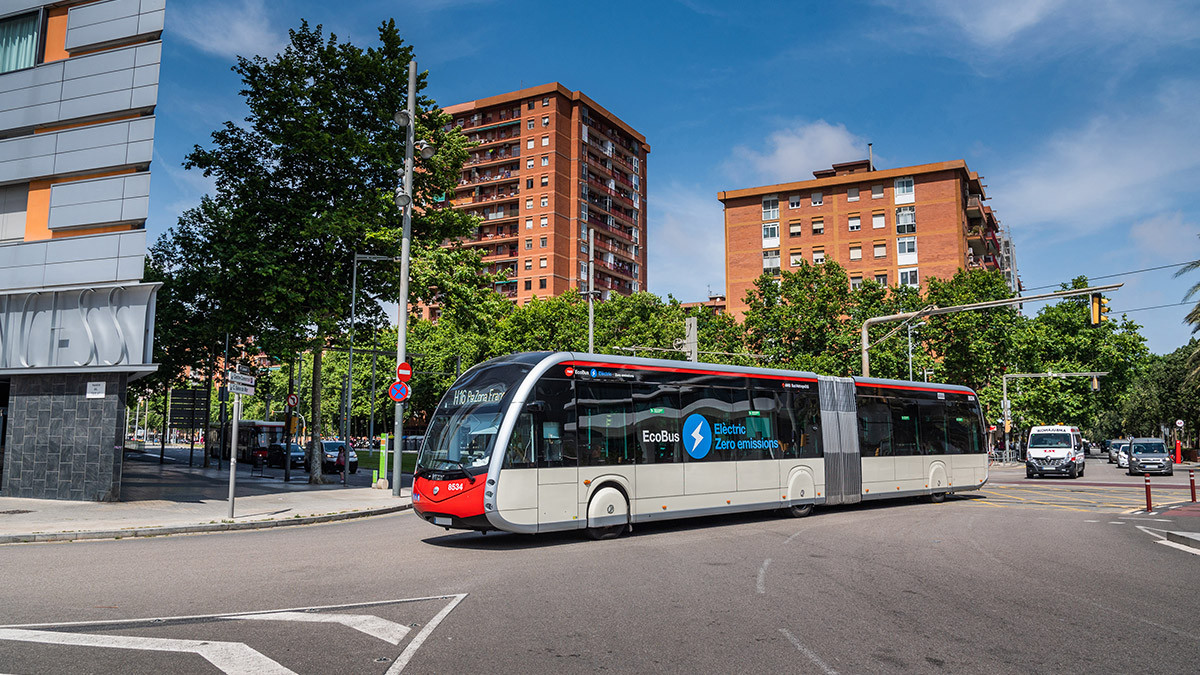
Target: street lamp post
x,y
404,199
350,359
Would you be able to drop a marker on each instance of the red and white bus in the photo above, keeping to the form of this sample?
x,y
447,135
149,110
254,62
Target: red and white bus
x,y
541,442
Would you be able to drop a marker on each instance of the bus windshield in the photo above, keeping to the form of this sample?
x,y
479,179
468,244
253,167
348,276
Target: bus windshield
x,y
462,434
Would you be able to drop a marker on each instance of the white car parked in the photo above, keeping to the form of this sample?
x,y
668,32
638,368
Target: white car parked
x,y
1123,456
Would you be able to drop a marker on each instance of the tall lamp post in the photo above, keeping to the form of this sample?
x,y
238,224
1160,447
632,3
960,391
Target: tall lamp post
x,y
407,119
350,365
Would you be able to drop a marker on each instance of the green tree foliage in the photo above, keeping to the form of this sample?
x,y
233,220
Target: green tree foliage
x,y
802,319
1161,392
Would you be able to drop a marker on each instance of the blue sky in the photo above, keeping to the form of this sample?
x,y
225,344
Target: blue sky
x,y
1079,114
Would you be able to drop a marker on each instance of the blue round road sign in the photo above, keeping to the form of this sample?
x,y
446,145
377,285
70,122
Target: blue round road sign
x,y
399,391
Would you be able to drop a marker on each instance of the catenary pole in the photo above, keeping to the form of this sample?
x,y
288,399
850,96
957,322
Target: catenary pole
x,y
405,245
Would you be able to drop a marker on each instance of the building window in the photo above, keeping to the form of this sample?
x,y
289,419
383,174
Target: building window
x,y
542,243
545,160
795,228
529,203
542,262
906,245
770,208
545,180
18,42
529,223
794,202
909,277
855,223
528,183
818,199
529,124
797,257
771,262
529,263
876,192
818,256
904,190
529,284
529,144
818,226
852,196
545,101
529,163
881,278
542,282
528,244
855,283
545,221
856,252
545,141
545,120
14,200
770,235
545,200
530,106
906,220
877,221
880,249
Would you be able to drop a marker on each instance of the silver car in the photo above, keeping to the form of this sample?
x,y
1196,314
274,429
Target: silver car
x,y
1149,455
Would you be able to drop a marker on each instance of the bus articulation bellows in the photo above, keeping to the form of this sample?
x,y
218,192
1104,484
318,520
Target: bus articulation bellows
x,y
540,442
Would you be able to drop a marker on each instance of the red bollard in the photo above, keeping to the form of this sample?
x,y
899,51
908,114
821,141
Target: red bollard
x,y
1192,480
1149,507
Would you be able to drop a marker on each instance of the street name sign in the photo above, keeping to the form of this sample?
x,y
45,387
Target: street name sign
x,y
235,388
241,379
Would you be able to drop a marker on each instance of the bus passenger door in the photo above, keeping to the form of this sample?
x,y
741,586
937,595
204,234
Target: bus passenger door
x,y
839,432
553,413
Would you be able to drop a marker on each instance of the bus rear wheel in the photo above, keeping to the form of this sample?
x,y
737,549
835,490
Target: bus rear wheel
x,y
610,532
937,497
799,510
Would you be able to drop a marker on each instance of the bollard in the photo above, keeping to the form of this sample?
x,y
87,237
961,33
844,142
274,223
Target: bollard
x,y
1192,480
1149,508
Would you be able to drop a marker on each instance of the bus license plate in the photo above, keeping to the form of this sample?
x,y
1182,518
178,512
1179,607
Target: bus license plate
x,y
442,521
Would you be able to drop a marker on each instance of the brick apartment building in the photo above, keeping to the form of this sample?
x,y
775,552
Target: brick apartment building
x,y
78,89
550,164
895,226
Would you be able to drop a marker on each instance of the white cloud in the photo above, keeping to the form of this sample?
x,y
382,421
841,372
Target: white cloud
x,y
1031,29
1167,236
1107,171
686,246
227,28
792,153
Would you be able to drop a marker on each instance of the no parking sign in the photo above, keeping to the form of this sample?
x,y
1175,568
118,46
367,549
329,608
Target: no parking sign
x,y
399,391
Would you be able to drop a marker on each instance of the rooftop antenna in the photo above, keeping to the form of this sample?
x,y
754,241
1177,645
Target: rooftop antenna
x,y
870,157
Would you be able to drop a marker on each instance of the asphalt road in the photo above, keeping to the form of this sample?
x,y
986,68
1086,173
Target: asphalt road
x,y
977,584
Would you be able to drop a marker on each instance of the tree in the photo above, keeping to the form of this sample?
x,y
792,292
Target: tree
x,y
802,319
1193,315
306,182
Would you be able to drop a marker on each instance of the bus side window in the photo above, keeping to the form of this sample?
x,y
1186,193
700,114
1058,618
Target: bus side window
x,y
606,428
874,427
933,427
520,446
556,423
656,417
806,411
904,427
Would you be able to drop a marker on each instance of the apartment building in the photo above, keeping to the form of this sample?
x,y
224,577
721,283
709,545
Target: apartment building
x,y
78,87
549,165
893,226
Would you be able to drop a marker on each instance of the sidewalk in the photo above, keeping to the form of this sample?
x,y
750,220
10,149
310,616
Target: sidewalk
x,y
173,498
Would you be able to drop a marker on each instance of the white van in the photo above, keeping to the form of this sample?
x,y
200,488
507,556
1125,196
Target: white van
x,y
1055,450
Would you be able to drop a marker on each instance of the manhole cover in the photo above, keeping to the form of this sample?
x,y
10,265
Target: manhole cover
x,y
14,512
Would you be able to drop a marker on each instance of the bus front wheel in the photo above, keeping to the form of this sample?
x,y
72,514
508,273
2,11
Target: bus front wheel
x,y
800,510
937,497
610,507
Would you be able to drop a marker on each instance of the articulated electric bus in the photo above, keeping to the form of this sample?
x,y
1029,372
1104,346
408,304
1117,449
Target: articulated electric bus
x,y
539,442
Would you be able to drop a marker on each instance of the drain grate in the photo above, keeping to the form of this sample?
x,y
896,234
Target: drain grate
x,y
14,512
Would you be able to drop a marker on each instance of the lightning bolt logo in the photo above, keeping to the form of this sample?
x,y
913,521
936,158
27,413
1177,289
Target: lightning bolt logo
x,y
699,436
698,429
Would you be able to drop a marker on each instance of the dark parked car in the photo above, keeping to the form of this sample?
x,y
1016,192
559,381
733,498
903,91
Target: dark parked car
x,y
275,456
1149,455
331,449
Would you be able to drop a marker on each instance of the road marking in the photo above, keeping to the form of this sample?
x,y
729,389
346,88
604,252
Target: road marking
x,y
812,656
1091,521
762,574
378,627
233,658
1116,522
1182,547
1153,520
409,651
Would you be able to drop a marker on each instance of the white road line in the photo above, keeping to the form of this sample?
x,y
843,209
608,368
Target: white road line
x,y
812,656
416,642
1091,521
762,574
1182,547
1116,522
388,631
233,658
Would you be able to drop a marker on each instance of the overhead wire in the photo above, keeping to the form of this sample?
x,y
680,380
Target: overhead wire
x,y
1121,274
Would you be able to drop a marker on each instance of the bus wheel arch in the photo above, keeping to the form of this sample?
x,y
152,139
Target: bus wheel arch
x,y
608,511
801,485
938,483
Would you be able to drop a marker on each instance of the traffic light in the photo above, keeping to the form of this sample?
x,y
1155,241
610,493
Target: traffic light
x,y
1098,309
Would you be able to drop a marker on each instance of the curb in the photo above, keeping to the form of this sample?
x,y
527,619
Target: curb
x,y
143,532
1185,538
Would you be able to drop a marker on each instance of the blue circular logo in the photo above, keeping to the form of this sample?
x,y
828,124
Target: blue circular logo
x,y
697,436
593,372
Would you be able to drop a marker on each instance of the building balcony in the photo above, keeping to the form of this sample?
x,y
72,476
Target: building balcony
x,y
974,206
498,155
501,178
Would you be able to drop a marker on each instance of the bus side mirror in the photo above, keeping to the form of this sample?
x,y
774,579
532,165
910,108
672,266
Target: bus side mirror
x,y
536,407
